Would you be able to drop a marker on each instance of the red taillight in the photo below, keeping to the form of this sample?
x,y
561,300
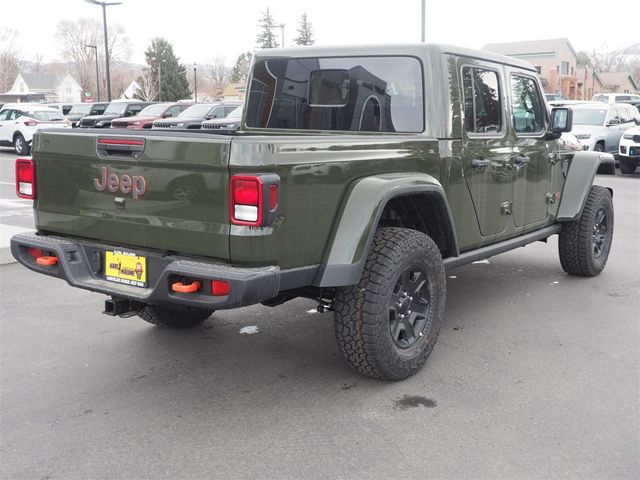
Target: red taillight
x,y
219,287
36,252
25,178
31,122
246,200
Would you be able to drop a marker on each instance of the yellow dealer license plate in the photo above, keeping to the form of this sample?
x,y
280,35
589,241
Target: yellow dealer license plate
x,y
126,268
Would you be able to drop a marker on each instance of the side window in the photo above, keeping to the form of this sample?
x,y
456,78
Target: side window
x,y
217,112
98,109
614,118
482,103
133,110
173,111
4,114
228,110
623,114
15,114
620,98
528,107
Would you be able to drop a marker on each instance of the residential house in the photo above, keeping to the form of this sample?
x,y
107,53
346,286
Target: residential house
x,y
555,61
55,88
130,91
618,82
235,91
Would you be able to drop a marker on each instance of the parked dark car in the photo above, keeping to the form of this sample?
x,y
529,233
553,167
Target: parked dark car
x,y
193,116
230,122
82,110
116,109
146,117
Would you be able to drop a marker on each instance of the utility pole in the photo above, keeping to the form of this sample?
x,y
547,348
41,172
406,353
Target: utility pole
x,y
104,6
282,27
422,18
95,54
195,83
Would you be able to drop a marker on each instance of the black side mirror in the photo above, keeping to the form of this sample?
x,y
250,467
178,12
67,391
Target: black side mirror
x,y
561,120
613,121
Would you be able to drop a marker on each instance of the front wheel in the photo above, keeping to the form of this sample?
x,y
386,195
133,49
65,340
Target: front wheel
x,y
585,243
174,317
387,325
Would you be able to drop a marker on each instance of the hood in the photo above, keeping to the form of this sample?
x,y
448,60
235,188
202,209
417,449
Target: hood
x,y
587,129
632,131
134,119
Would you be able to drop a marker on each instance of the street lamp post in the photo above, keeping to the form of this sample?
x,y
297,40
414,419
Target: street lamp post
x,y
422,17
95,53
104,6
195,83
282,27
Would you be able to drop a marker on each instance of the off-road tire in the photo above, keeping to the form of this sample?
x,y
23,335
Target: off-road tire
x,y
599,147
585,243
20,145
627,165
174,317
364,316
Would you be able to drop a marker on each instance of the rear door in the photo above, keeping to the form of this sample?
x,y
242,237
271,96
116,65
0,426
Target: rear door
x,y
486,151
144,190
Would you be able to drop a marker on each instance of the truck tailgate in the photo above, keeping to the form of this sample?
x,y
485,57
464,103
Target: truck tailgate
x,y
168,192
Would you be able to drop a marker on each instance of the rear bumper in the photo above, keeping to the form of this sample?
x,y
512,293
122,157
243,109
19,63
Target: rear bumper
x,y
81,264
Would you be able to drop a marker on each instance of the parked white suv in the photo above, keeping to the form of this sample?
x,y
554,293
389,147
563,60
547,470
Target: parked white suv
x,y
629,150
18,123
599,126
616,97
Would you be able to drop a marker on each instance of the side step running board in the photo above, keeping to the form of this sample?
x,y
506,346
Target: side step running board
x,y
505,246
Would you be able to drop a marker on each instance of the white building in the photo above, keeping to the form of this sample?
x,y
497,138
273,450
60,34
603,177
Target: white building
x,y
130,91
55,88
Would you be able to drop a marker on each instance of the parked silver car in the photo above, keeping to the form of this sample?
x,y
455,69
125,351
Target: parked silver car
x,y
600,126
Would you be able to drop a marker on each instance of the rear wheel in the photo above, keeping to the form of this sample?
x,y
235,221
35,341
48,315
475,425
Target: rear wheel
x,y
20,144
387,325
599,147
174,317
628,165
585,243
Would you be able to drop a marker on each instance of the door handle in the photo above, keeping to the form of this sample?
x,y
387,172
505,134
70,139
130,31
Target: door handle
x,y
522,160
479,164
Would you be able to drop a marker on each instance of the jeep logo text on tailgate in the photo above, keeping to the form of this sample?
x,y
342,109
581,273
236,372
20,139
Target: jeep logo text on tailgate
x,y
136,185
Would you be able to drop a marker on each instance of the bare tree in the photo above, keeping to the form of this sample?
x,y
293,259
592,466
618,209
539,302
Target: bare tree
x,y
9,59
73,36
148,90
218,74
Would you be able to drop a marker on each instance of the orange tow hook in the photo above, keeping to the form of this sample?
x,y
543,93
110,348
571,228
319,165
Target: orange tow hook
x,y
182,288
47,261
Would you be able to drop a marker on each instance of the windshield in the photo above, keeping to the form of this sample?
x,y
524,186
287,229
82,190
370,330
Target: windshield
x,y
115,109
45,116
80,109
237,113
589,116
153,110
196,111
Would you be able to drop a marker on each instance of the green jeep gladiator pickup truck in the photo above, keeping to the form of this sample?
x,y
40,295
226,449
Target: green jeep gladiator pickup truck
x,y
357,177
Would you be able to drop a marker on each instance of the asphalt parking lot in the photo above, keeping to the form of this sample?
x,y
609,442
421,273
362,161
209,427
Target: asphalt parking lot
x,y
535,375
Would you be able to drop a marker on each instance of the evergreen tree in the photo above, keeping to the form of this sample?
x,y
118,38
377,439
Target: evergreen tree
x,y
167,71
305,32
240,72
266,37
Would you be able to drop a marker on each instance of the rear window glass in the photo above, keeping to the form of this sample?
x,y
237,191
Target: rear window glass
x,y
370,94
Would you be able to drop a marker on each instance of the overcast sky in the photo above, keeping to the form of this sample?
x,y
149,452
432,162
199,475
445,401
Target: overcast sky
x,y
201,29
